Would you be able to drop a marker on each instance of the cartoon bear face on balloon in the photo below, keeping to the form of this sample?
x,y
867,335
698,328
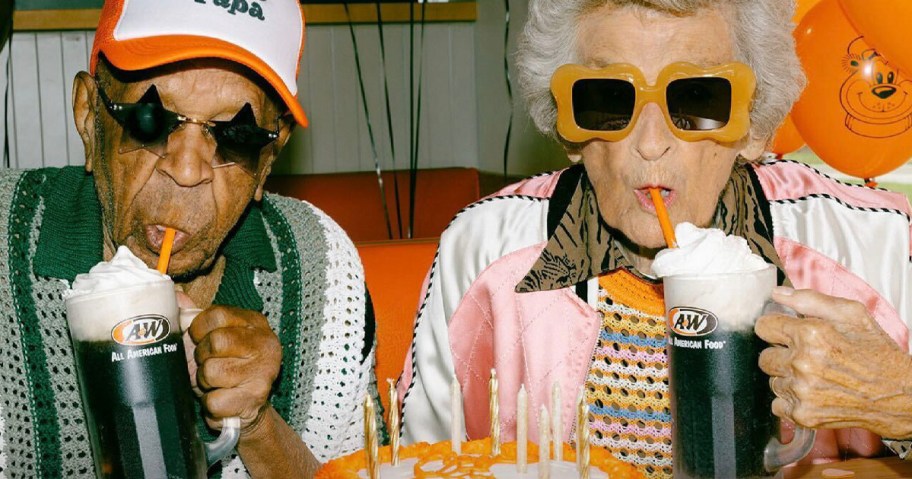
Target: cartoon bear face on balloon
x,y
876,97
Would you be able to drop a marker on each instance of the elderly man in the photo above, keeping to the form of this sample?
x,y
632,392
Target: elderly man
x,y
550,280
185,109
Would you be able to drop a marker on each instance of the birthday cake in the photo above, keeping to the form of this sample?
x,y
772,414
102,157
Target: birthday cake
x,y
438,461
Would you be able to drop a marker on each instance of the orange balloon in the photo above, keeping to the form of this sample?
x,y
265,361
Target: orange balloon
x,y
885,26
787,138
802,7
856,112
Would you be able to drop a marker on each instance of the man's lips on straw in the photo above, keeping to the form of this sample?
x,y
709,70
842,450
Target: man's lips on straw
x,y
156,233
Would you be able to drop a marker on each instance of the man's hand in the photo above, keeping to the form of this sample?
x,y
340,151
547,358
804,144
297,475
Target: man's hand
x,y
238,358
835,368
235,358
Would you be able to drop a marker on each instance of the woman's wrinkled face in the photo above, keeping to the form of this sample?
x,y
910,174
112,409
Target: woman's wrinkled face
x,y
691,175
142,194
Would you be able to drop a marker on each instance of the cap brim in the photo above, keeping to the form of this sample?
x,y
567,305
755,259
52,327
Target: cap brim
x,y
143,53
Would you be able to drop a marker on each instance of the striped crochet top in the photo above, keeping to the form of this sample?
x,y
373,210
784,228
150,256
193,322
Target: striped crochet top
x,y
627,385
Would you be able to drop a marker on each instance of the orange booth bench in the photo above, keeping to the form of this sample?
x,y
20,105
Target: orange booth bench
x,y
353,199
395,271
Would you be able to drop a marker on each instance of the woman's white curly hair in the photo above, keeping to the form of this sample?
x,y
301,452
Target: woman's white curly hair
x,y
761,29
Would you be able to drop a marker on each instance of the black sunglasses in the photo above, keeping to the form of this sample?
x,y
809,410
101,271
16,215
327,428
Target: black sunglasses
x,y
147,124
693,103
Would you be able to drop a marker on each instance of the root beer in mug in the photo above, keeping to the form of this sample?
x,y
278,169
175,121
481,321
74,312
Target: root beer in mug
x,y
722,422
133,377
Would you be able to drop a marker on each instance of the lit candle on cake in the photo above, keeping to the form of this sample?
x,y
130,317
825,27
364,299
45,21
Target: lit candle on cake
x,y
371,446
394,421
556,424
544,445
494,409
455,417
522,406
582,438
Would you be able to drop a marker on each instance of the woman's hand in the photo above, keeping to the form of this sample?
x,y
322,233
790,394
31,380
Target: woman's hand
x,y
835,367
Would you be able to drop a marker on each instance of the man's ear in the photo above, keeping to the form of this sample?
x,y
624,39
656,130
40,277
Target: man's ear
x,y
264,173
754,148
286,126
84,114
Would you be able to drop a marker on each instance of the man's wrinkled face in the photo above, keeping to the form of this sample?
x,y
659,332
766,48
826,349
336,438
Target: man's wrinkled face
x,y
691,175
142,193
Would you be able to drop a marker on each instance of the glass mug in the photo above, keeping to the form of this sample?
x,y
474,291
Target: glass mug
x,y
722,421
135,385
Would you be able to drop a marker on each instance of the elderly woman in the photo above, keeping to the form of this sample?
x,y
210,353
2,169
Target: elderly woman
x,y
550,280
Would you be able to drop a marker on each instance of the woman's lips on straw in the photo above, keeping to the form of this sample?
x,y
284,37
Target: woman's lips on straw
x,y
156,233
642,194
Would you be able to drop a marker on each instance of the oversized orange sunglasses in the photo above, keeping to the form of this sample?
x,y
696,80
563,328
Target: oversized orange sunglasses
x,y
698,103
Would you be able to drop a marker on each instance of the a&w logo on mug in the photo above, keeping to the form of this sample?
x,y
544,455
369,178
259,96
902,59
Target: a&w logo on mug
x,y
141,330
688,321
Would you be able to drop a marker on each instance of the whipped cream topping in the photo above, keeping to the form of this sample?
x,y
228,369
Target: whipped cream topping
x,y
124,270
705,251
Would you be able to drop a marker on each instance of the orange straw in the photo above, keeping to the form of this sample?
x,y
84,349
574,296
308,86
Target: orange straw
x,y
165,255
664,220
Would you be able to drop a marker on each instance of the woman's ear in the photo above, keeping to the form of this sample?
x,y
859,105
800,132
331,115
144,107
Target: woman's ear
x,y
84,114
575,155
754,148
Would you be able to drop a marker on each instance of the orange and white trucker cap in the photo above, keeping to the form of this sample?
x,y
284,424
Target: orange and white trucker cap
x,y
266,36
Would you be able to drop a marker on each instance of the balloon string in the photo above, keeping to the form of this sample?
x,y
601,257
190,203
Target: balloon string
x,y
415,118
509,81
370,130
389,118
870,182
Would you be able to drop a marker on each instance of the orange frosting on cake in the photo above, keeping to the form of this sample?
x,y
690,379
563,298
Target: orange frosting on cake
x,y
474,462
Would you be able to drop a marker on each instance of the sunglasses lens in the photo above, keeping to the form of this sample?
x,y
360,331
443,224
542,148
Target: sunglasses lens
x,y
603,104
699,104
241,144
146,126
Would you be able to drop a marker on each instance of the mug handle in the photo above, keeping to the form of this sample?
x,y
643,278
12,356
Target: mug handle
x,y
777,455
231,426
227,440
